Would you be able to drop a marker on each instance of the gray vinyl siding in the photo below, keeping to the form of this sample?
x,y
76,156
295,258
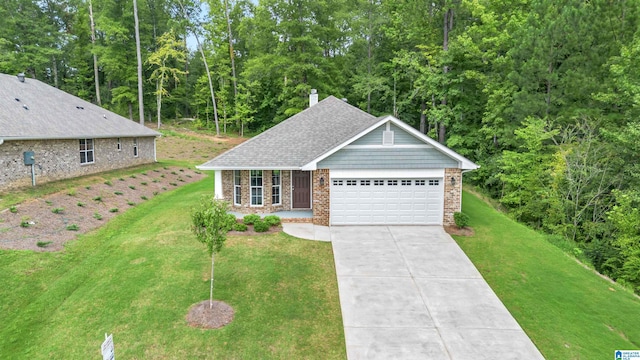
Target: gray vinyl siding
x,y
400,136
391,158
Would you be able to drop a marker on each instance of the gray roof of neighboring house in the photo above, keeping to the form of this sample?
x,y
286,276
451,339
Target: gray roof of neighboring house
x,y
299,139
35,110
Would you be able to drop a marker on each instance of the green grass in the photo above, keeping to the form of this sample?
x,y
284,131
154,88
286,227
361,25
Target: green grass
x,y
568,311
168,133
137,276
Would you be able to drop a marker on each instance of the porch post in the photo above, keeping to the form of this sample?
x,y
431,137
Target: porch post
x,y
218,185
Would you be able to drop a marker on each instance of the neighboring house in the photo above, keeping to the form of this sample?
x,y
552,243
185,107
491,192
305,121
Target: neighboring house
x,y
68,136
346,165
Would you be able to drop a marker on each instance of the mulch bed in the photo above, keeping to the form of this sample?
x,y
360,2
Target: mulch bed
x,y
201,315
251,232
454,230
49,231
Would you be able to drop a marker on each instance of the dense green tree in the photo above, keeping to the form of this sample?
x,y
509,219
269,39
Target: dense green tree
x,y
165,62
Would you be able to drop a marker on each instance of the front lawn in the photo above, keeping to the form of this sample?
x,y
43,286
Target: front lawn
x,y
568,310
137,277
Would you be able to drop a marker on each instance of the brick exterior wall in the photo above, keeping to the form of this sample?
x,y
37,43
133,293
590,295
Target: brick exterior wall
x,y
321,197
452,195
60,159
227,188
267,207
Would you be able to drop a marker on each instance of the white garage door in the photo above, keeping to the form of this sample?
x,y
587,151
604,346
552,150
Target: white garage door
x,y
386,201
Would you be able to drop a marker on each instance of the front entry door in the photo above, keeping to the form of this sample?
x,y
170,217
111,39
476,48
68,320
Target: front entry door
x,y
301,189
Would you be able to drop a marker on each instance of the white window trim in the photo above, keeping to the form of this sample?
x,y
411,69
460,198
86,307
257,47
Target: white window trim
x,y
279,187
87,151
251,187
236,188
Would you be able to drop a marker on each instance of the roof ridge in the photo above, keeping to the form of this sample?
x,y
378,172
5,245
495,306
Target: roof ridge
x,y
287,120
345,103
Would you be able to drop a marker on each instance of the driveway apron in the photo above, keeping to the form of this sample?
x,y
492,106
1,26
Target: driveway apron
x,y
410,292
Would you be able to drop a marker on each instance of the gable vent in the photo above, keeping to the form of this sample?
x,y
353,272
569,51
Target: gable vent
x,y
387,137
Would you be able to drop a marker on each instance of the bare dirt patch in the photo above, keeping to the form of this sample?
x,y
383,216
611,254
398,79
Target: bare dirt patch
x,y
454,230
47,223
182,144
202,315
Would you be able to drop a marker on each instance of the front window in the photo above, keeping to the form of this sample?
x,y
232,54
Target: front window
x,y
256,187
275,187
135,147
86,151
237,189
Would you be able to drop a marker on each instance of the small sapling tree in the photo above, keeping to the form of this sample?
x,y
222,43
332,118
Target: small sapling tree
x,y
210,224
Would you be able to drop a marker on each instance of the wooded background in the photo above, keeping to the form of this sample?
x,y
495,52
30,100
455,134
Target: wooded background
x,y
543,94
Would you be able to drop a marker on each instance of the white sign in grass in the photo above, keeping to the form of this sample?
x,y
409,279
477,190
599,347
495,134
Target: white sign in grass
x,y
627,354
108,352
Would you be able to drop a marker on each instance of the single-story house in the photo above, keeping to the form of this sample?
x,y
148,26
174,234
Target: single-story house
x,y
62,135
347,166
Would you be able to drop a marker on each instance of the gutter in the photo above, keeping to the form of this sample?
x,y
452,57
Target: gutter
x,y
75,137
207,168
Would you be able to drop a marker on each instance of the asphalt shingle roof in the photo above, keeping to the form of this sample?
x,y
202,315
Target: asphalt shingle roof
x,y
300,139
35,110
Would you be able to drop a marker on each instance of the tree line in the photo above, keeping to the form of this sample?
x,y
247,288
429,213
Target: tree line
x,y
543,94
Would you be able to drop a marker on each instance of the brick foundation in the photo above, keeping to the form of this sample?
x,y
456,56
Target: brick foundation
x,y
297,220
452,195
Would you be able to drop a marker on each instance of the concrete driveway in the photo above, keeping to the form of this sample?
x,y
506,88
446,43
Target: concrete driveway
x,y
409,292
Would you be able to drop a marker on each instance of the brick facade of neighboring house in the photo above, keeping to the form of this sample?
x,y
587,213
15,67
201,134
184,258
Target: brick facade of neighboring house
x,y
60,159
69,136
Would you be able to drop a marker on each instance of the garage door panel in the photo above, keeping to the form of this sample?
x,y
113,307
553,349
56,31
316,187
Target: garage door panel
x,y
386,201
